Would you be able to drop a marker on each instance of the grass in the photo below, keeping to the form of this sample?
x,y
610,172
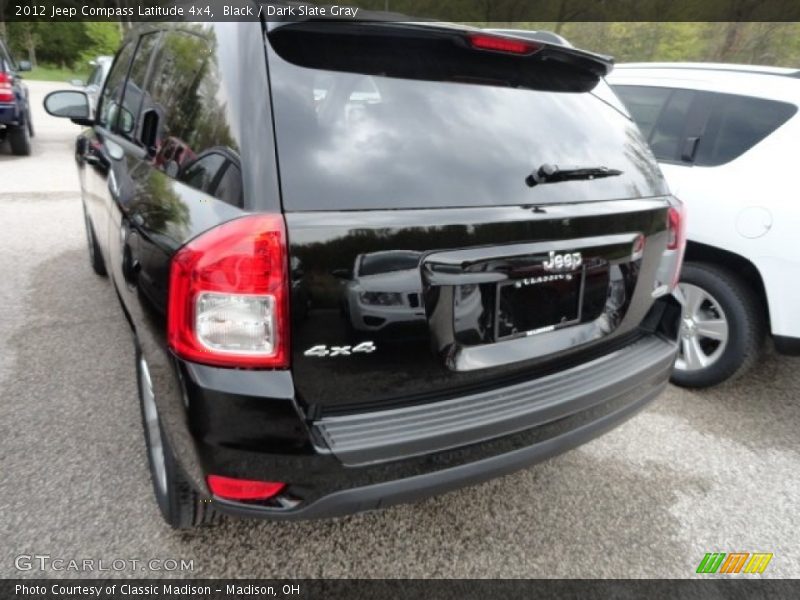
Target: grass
x,y
52,73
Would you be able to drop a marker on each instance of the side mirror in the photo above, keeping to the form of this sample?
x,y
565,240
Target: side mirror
x,y
77,83
69,104
24,65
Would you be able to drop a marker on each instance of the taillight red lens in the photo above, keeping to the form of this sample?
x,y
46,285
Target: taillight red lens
x,y
676,227
228,295
243,489
638,247
676,235
6,90
502,44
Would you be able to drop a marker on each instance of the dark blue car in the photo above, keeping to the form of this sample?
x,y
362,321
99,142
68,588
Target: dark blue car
x,y
15,113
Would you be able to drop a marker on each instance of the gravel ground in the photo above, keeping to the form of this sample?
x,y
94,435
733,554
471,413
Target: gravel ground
x,y
695,472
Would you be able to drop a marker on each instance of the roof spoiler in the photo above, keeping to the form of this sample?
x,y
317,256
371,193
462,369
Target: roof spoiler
x,y
464,54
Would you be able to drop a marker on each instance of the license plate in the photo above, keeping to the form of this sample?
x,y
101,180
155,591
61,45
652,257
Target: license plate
x,y
539,303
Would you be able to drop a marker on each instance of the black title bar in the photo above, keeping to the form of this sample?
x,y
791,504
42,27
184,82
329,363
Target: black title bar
x,y
479,11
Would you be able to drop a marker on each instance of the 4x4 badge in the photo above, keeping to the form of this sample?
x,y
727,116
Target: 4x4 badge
x,y
322,350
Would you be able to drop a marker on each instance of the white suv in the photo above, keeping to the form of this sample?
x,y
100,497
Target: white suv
x,y
728,141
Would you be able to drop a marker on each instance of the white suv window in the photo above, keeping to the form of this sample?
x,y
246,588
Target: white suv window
x,y
724,126
661,114
644,103
736,124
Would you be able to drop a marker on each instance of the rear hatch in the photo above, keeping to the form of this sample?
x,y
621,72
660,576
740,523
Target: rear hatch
x,y
441,240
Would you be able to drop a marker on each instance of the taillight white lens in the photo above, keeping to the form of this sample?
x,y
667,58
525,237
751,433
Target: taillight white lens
x,y
236,323
229,295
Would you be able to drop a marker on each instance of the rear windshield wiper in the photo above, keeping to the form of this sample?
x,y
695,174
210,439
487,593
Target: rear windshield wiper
x,y
552,174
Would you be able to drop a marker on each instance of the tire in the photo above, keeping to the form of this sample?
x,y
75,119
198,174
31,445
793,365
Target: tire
x,y
20,140
180,505
722,329
95,256
29,121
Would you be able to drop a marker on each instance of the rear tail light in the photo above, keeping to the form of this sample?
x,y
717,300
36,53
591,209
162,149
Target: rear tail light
x,y
228,295
676,227
495,43
638,247
6,90
676,235
230,488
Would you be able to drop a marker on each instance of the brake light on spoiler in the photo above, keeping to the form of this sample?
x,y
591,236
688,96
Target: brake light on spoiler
x,y
494,43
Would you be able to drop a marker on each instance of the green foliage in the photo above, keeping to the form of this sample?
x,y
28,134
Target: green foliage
x,y
61,43
750,43
71,45
105,39
67,45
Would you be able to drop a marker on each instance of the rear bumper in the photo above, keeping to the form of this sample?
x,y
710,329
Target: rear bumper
x,y
382,495
9,114
394,434
416,453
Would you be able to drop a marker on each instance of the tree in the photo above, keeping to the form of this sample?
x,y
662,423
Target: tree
x,y
66,44
105,39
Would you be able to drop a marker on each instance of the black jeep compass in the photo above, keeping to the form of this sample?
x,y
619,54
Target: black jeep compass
x,y
366,262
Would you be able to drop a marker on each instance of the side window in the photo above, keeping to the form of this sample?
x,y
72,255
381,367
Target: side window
x,y
112,92
133,97
661,114
193,118
736,124
667,135
644,103
202,173
229,188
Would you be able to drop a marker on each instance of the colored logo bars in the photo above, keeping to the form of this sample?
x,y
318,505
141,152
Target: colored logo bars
x,y
735,562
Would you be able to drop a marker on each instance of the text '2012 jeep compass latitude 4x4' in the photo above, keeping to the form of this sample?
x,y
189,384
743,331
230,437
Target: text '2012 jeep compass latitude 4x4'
x,y
389,259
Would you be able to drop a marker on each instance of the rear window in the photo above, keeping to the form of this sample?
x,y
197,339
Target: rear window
x,y
349,139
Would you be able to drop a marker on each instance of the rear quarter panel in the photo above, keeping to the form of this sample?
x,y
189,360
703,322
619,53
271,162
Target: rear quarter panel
x,y
751,207
158,215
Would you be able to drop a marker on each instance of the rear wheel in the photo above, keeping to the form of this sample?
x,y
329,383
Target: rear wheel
x,y
19,138
180,505
29,121
722,328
